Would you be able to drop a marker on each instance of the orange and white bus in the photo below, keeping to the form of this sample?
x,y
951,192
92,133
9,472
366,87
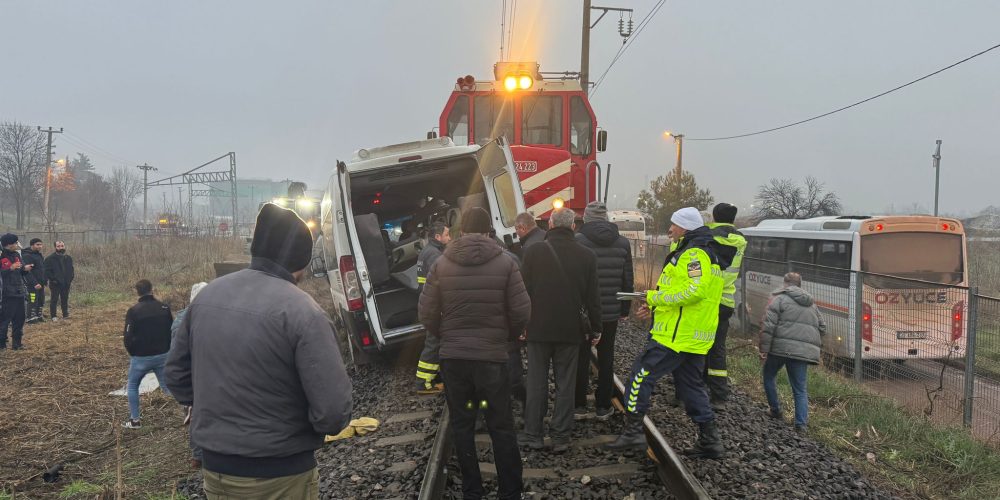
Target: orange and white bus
x,y
913,270
632,225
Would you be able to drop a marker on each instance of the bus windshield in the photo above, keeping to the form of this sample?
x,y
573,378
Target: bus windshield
x,y
932,257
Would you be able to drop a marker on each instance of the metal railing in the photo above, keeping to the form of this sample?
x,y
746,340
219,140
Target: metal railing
x,y
105,236
933,347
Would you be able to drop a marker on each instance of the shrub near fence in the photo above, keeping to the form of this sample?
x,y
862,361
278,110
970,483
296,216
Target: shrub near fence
x,y
166,262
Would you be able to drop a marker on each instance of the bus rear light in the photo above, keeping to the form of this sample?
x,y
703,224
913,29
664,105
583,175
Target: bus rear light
x,y
352,287
944,227
957,313
866,322
366,337
879,227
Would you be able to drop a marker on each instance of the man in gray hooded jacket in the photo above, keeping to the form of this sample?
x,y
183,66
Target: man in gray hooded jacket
x,y
791,337
256,358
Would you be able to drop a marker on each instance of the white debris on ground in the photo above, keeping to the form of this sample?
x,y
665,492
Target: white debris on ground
x,y
148,384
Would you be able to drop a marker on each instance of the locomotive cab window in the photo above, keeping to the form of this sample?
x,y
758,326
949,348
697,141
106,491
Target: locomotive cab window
x,y
494,117
458,120
580,131
541,121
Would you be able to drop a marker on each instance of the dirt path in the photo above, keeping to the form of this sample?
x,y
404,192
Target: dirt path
x,y
54,395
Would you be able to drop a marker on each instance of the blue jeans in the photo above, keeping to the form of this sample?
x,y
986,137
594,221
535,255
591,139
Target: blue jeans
x,y
138,367
796,378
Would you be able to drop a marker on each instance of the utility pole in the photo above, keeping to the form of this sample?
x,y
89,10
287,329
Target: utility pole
x,y
585,38
585,50
679,139
180,201
937,174
145,190
48,174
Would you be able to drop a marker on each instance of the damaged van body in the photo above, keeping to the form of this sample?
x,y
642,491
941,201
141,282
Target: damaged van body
x,y
375,213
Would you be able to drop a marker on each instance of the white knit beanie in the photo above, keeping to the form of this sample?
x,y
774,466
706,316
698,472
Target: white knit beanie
x,y
688,218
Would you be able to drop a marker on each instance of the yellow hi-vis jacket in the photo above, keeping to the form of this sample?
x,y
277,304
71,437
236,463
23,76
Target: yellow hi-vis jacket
x,y
726,235
685,303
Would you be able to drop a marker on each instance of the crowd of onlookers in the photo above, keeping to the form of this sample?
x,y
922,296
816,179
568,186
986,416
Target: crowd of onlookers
x,y
254,359
24,276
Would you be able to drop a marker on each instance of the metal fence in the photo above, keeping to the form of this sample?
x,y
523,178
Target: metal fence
x,y
102,236
933,347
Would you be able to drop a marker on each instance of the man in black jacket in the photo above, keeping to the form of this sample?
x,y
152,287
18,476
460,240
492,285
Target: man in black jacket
x,y
614,274
36,298
59,273
475,302
16,280
561,278
147,340
528,232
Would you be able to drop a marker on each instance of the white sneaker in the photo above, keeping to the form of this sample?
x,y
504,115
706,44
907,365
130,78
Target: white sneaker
x,y
132,424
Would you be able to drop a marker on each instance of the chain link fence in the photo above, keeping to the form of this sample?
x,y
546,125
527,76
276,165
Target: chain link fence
x,y
933,347
106,236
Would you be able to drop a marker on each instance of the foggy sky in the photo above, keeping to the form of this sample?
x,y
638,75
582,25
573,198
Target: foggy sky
x,y
293,86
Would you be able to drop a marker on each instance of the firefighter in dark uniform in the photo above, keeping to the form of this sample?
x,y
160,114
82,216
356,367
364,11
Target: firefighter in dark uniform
x,y
430,361
729,248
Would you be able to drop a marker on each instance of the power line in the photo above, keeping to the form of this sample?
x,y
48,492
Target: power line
x,y
872,98
510,27
93,148
628,43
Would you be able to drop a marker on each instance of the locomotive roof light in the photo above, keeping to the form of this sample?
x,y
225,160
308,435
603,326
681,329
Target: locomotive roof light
x,y
510,83
521,81
525,82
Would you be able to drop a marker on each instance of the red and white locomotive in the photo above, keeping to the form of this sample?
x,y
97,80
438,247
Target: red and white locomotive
x,y
549,124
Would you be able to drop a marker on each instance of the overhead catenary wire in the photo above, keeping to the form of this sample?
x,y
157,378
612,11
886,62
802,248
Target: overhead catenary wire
x,y
849,106
628,43
510,27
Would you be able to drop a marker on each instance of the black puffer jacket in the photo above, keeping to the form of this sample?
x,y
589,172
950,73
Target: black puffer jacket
x,y
15,281
614,265
475,300
38,261
556,300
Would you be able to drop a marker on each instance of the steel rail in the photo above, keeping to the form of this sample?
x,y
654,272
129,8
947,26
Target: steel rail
x,y
432,486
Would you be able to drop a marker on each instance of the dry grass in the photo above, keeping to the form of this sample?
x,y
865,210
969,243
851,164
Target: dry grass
x,y
984,266
55,392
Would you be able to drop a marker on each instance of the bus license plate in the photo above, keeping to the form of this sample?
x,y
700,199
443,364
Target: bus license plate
x,y
911,335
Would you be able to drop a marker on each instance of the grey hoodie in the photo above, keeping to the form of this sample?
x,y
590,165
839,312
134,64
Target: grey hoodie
x,y
793,327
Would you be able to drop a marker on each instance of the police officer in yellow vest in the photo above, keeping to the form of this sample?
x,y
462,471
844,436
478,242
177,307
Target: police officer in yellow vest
x,y
430,360
685,310
729,248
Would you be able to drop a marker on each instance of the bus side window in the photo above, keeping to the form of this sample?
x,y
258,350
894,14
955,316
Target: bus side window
x,y
835,257
773,254
458,121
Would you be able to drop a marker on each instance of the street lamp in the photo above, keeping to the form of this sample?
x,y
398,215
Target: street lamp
x,y
679,141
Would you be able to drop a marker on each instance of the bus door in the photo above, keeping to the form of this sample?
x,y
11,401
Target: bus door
x,y
496,165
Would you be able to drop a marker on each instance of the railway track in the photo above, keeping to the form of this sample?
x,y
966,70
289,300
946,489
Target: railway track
x,y
586,471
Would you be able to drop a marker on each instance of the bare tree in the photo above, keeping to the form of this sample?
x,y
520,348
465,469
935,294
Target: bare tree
x,y
786,199
22,166
125,185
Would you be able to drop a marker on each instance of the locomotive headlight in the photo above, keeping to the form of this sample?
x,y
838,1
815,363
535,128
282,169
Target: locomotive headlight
x,y
510,83
558,203
304,204
525,82
311,224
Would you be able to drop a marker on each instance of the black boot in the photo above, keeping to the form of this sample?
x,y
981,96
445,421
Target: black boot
x,y
709,444
633,435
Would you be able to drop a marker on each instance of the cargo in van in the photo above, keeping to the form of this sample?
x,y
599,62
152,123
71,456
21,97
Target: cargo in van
x,y
377,213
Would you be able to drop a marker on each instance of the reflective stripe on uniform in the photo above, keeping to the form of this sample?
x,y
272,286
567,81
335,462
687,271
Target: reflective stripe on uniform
x,y
428,366
421,280
426,376
633,396
717,373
